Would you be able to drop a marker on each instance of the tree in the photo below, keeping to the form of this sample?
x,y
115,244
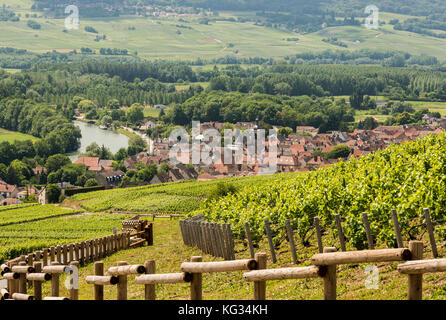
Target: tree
x,y
283,88
356,99
339,151
113,104
135,113
106,121
285,132
164,168
56,162
368,123
53,193
137,141
91,183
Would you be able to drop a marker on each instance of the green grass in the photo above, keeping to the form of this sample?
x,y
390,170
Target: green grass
x,y
432,106
418,105
179,197
11,136
151,112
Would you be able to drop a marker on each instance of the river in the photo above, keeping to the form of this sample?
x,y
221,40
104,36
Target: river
x,y
91,133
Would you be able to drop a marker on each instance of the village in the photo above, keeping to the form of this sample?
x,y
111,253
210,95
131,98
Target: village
x,y
303,150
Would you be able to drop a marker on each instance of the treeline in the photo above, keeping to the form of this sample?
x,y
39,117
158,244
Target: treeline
x,y
58,134
425,26
363,57
159,70
23,59
233,107
59,87
87,8
397,83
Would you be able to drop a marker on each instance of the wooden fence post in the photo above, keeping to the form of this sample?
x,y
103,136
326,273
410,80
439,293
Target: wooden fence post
x,y
270,241
222,241
231,241
249,237
291,240
98,289
196,290
260,286
415,281
55,281
52,254
37,285
210,238
74,290
340,232
59,254
430,230
37,255
150,234
396,226
365,220
22,279
12,284
45,257
149,289
330,279
76,252
318,234
82,252
122,284
71,252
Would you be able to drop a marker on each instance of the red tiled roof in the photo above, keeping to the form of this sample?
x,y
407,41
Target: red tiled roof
x,y
88,161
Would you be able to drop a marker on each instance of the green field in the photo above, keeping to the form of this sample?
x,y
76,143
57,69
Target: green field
x,y
23,230
161,38
10,136
418,105
151,112
179,197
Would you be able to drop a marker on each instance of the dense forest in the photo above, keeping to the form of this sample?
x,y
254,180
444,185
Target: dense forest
x,y
233,107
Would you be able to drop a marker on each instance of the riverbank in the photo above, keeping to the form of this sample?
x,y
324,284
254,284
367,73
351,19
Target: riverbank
x,y
132,133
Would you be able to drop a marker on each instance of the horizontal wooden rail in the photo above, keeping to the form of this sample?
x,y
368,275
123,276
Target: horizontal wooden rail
x,y
126,270
56,298
21,296
102,280
4,294
56,269
365,256
11,276
164,278
285,273
219,266
38,277
4,268
422,266
22,269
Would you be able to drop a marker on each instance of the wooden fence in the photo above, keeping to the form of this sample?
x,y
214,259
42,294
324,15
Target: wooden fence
x,y
340,234
91,250
212,238
255,271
